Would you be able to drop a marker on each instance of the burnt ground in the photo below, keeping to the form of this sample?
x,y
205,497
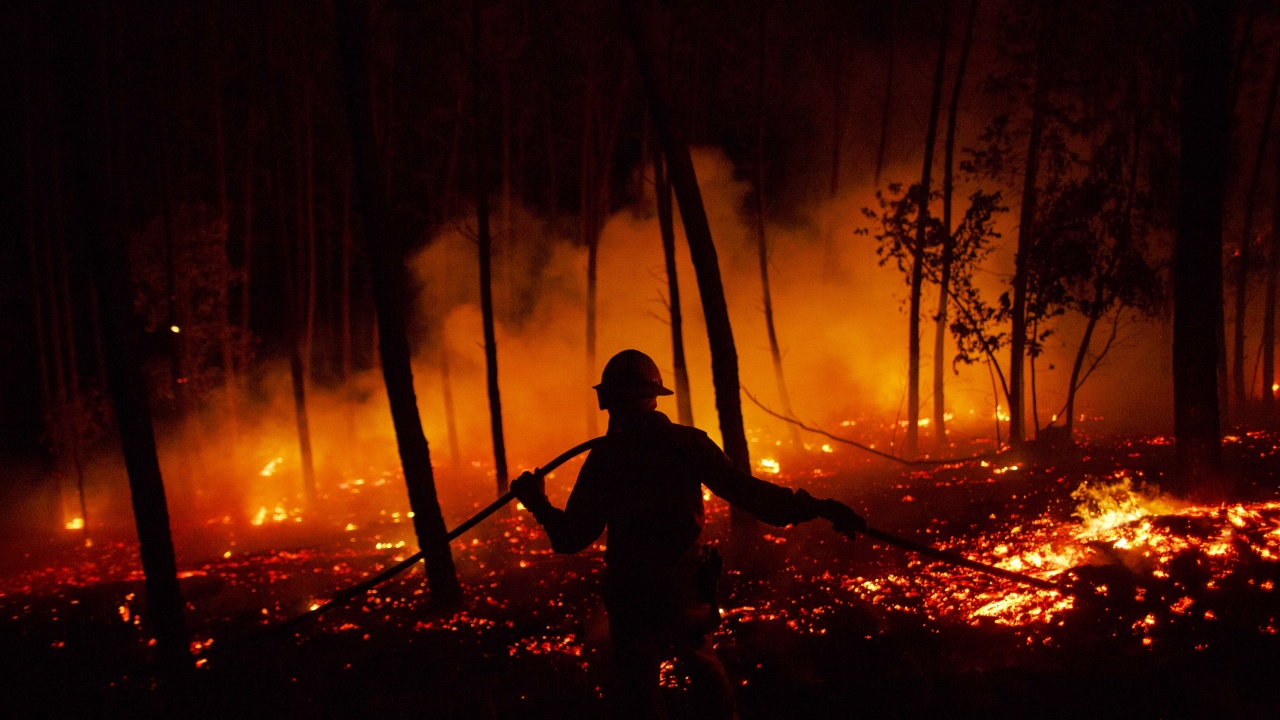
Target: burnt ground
x,y
815,625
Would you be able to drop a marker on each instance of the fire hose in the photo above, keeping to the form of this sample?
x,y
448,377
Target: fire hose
x,y
370,583
957,559
364,586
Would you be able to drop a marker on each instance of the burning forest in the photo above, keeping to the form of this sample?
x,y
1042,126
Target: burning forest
x,y
956,391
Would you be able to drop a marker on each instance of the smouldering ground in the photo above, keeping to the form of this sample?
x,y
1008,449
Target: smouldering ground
x,y
1174,612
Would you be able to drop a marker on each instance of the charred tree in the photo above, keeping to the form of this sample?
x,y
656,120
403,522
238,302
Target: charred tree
x,y
450,416
297,366
90,218
684,181
762,243
590,240
1197,264
485,241
1269,313
599,140
389,283
948,241
1239,386
922,240
1026,238
886,110
666,226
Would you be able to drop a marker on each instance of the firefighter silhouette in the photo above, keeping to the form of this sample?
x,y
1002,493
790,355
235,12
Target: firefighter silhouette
x,y
644,483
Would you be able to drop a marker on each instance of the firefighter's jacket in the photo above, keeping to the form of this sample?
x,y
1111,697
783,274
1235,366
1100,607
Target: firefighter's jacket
x,y
644,483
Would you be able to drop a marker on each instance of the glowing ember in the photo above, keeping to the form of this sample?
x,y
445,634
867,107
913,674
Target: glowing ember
x,y
75,524
770,466
270,468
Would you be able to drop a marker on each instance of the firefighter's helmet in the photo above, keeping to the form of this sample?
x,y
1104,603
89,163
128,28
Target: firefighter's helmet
x,y
631,373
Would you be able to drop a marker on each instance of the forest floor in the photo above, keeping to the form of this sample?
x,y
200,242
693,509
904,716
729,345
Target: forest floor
x,y
1173,611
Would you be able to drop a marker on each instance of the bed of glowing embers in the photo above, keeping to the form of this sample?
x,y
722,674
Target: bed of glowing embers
x,y
1148,577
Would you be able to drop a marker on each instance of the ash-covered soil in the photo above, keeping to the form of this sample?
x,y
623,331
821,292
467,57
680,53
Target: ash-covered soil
x,y
1171,611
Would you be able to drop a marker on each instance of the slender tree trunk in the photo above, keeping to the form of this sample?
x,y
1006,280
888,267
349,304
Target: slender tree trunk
x,y
88,221
1102,293
886,110
344,289
1073,385
922,239
246,261
837,117
1026,240
1031,362
1269,316
666,226
309,176
1197,267
591,240
450,415
37,293
297,367
226,343
1240,390
486,269
948,241
684,181
762,243
74,410
386,256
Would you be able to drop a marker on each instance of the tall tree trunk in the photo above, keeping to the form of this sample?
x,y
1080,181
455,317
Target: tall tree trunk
x,y
1269,315
290,257
590,240
1239,386
1103,293
486,270
666,226
1197,266
88,221
886,110
389,284
308,187
762,244
837,115
74,410
684,181
1026,238
226,343
450,415
948,241
297,367
922,239
246,260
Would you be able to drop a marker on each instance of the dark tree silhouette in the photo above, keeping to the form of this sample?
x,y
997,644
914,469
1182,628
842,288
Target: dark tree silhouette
x,y
1269,311
1239,386
724,355
485,241
886,110
666,226
762,241
90,218
386,256
948,242
922,239
1026,231
1197,265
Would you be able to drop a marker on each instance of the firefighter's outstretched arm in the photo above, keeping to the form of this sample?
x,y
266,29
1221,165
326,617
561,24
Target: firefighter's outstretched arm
x,y
578,524
769,503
